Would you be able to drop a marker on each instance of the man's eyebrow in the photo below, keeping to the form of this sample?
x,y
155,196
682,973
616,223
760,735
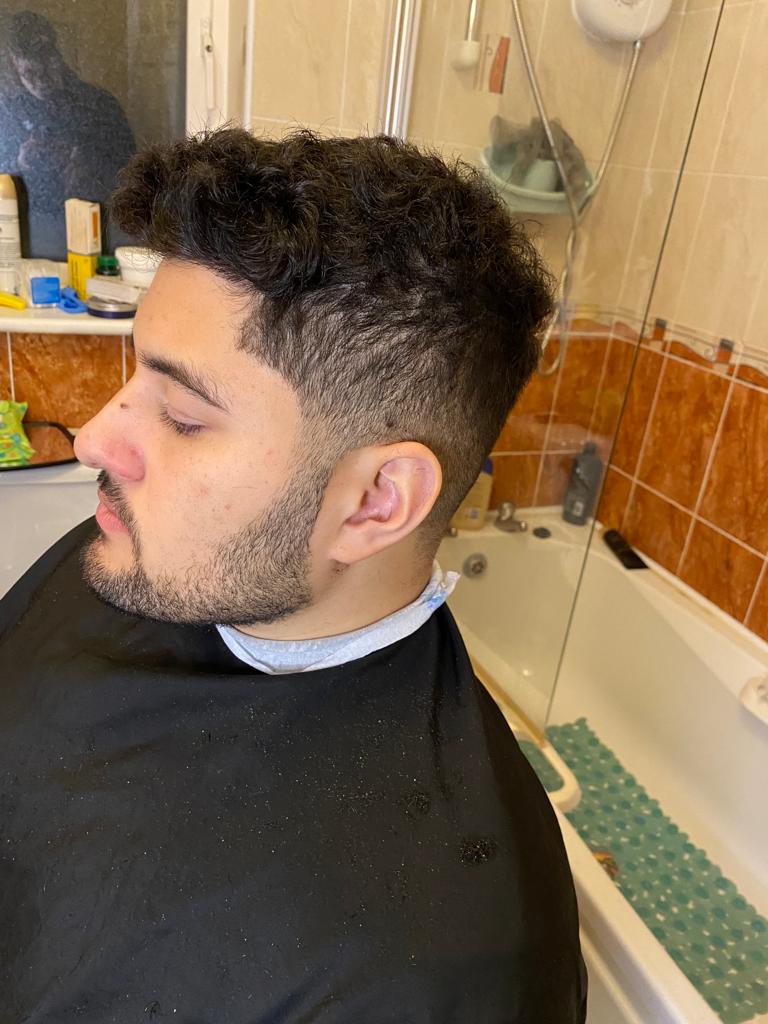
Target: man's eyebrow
x,y
187,377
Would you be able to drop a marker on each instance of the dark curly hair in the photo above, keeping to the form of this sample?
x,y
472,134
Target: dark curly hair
x,y
391,290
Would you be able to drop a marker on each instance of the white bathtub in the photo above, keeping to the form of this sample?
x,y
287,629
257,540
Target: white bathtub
x,y
656,671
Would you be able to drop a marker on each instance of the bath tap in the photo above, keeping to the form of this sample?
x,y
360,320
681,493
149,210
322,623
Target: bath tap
x,y
505,520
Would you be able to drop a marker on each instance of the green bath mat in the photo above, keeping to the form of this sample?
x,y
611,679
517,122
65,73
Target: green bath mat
x,y
717,938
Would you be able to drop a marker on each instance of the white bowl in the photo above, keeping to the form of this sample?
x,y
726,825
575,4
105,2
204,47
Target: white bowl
x,y
137,264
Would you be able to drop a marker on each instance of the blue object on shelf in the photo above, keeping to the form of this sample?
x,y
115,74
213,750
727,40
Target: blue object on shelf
x,y
70,303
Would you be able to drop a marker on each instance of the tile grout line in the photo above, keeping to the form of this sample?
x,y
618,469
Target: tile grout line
x,y
600,380
555,393
753,598
122,359
705,478
641,452
343,98
11,376
662,103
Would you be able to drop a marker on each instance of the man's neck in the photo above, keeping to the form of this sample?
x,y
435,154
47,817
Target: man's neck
x,y
363,594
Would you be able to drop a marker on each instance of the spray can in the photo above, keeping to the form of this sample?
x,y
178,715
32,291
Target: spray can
x,y
10,239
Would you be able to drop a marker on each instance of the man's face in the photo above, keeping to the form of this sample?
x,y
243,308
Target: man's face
x,y
214,519
37,76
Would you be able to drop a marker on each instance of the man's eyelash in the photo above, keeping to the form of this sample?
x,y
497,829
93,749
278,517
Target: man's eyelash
x,y
185,429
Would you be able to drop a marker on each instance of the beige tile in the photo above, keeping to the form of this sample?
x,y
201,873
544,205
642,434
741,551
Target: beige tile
x,y
638,127
299,59
434,34
652,215
685,216
580,79
607,231
366,56
686,77
731,38
516,104
756,334
744,143
727,256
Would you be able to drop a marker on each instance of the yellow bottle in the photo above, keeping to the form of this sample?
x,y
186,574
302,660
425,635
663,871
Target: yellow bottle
x,y
470,515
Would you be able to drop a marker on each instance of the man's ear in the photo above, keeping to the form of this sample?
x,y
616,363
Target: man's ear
x,y
387,491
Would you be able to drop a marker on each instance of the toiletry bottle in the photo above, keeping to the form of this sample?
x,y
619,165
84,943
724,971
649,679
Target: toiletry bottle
x,y
10,239
583,485
470,515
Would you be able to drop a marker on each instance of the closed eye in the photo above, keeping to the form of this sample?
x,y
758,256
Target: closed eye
x,y
185,429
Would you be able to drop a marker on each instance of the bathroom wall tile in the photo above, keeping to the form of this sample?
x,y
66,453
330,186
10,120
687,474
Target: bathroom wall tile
x,y
634,417
653,211
514,479
613,500
681,431
610,397
686,77
752,375
430,65
721,570
299,48
130,358
758,616
725,265
50,445
607,233
756,332
464,108
366,55
526,426
744,149
5,377
732,38
685,217
66,377
638,127
553,483
684,351
656,527
575,401
736,495
583,98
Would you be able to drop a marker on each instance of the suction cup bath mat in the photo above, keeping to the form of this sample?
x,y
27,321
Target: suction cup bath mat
x,y
717,938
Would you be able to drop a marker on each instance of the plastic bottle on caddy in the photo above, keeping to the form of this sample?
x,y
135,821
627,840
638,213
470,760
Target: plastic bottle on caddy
x,y
10,239
583,486
470,515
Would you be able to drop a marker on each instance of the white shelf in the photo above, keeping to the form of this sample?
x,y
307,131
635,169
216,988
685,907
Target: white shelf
x,y
54,321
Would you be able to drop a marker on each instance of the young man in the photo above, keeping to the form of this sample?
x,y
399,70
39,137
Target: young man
x,y
247,774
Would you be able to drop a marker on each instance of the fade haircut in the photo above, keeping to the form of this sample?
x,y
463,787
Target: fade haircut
x,y
390,289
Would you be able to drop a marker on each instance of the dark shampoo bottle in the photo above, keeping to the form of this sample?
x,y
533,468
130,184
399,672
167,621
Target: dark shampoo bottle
x,y
583,486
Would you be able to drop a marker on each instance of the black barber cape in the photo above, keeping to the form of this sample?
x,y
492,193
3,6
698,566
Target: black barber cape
x,y
186,839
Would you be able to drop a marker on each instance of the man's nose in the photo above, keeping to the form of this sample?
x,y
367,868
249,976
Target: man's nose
x,y
105,442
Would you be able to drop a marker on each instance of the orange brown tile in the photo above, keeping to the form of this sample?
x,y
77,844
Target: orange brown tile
x,y
66,377
575,400
5,376
752,374
555,473
758,616
514,479
50,445
721,569
681,431
634,418
613,388
613,500
655,526
736,495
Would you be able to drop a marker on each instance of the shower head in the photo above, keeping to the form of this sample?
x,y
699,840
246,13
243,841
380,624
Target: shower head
x,y
620,21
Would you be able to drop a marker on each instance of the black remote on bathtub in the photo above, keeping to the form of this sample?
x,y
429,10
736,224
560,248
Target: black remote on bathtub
x,y
627,555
